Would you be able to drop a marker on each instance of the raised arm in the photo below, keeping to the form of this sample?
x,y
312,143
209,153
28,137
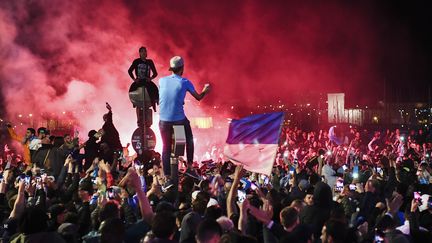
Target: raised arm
x,y
19,205
233,191
15,136
203,93
145,208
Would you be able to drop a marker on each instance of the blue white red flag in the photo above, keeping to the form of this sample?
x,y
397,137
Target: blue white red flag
x,y
253,141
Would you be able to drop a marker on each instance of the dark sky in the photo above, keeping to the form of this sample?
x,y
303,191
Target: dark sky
x,y
251,51
407,44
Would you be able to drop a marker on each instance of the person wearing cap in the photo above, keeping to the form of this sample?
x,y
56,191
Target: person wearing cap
x,y
172,92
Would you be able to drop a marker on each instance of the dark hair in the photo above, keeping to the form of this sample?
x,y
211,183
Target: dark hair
x,y
109,210
289,216
337,230
71,217
142,48
31,130
204,186
207,229
164,224
33,220
42,129
187,184
213,212
176,70
91,133
58,141
112,230
199,205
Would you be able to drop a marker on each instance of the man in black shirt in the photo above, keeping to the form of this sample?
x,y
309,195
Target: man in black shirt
x,y
142,67
145,72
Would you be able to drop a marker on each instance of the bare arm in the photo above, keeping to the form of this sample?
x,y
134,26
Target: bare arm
x,y
130,71
243,216
19,205
200,96
153,70
233,191
145,208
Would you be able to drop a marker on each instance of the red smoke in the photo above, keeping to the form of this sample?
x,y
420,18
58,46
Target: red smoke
x,y
69,55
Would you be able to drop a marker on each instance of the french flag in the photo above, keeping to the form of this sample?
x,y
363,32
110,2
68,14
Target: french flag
x,y
253,141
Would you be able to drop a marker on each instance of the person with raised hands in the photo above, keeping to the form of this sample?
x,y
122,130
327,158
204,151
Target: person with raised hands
x,y
232,194
134,181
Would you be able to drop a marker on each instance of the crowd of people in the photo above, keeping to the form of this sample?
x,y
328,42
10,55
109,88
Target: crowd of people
x,y
341,185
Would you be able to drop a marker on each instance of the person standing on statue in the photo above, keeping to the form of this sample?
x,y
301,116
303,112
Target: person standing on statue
x,y
172,92
145,72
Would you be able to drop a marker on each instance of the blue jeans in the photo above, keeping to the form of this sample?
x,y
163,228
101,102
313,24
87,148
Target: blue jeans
x,y
166,130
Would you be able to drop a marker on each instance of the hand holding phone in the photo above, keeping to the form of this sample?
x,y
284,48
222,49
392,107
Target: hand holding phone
x,y
355,172
417,196
241,196
27,180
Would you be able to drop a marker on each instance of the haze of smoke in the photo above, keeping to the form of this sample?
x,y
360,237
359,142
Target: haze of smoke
x,y
69,55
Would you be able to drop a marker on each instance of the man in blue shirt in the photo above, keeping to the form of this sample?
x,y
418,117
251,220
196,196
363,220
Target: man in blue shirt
x,y
172,92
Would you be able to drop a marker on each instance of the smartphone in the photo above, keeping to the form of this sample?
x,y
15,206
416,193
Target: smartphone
x,y
379,170
339,184
241,196
253,186
352,187
417,196
423,181
38,180
344,167
27,180
110,193
379,236
266,181
355,172
138,165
